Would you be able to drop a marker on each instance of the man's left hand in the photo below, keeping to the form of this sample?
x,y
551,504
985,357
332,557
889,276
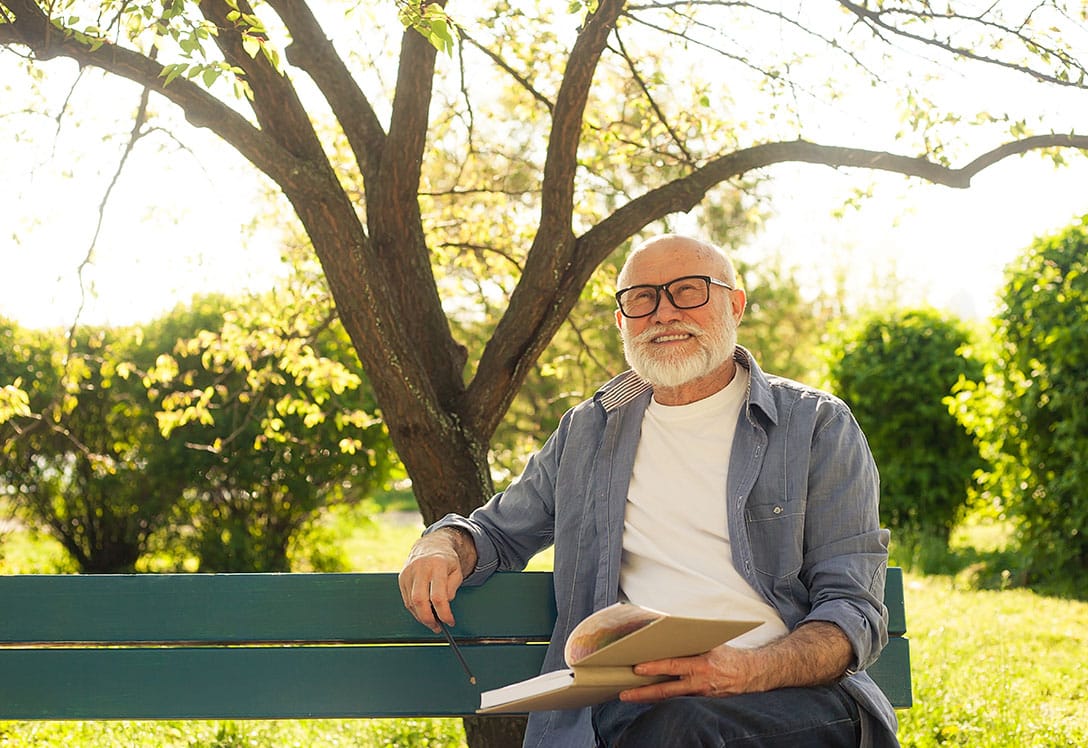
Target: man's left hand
x,y
723,671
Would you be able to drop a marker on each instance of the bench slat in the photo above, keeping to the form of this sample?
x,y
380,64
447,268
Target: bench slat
x,y
248,608
892,672
278,608
893,601
254,682
249,682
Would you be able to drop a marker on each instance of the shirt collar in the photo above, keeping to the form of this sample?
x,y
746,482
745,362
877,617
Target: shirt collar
x,y
628,386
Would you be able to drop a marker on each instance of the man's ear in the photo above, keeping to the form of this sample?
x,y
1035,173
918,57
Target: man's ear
x,y
739,303
619,319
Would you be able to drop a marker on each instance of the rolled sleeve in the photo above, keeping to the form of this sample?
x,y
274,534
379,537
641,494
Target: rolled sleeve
x,y
847,551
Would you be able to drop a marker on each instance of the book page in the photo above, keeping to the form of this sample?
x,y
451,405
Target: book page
x,y
627,634
604,627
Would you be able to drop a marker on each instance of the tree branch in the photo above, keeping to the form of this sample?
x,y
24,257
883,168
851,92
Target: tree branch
x,y
875,19
402,161
683,194
404,275
134,135
312,52
521,80
560,163
531,318
275,102
645,88
33,29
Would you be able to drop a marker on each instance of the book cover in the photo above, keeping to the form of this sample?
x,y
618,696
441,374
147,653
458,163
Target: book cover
x,y
601,653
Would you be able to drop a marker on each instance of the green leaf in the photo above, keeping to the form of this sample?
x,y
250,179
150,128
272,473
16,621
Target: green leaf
x,y
251,45
440,35
172,71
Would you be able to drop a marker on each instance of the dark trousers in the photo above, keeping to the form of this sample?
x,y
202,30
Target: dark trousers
x,y
821,717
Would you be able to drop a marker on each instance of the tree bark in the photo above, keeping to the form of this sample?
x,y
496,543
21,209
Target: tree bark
x,y
494,732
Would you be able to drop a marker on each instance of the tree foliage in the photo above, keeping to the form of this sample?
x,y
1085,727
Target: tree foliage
x,y
272,413
1031,412
785,326
219,430
896,370
81,456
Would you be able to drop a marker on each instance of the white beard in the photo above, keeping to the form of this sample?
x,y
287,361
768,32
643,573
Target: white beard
x,y
665,369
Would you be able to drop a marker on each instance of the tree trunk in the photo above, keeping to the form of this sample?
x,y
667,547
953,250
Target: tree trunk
x,y
494,732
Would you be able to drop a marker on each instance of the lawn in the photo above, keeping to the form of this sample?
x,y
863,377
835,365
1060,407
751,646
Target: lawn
x,y
994,668
990,668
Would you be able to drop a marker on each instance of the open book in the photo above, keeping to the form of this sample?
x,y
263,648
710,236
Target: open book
x,y
601,653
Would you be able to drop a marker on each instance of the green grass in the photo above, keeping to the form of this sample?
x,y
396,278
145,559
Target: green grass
x,y
991,668
994,668
432,733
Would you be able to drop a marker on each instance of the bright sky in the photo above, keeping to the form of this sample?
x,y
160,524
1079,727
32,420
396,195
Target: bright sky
x,y
174,225
948,247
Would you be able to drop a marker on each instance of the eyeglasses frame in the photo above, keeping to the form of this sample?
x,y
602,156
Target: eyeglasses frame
x,y
659,287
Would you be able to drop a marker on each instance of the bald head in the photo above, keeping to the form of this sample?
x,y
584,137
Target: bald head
x,y
667,246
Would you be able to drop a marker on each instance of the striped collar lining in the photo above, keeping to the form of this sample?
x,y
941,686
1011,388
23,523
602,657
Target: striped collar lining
x,y
629,385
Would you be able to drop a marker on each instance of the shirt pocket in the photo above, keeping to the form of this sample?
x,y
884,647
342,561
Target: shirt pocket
x,y
776,535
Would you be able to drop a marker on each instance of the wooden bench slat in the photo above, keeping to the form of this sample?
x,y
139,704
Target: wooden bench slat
x,y
254,682
893,601
892,672
248,608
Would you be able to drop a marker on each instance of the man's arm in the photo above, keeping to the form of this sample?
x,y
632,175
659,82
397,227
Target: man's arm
x,y
435,568
814,654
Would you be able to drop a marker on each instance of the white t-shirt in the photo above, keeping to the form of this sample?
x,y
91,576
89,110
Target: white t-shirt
x,y
676,551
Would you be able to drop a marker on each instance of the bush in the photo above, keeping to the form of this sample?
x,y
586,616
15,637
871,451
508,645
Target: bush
x,y
1039,428
895,369
75,459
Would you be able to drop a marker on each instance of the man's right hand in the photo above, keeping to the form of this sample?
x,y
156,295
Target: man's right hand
x,y
435,568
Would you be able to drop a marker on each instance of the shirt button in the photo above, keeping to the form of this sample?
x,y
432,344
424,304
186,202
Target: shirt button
x,y
778,510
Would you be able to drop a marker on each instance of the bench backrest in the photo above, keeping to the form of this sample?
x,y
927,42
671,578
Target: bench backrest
x,y
252,646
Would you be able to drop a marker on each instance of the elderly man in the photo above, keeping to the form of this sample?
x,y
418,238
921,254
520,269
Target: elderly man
x,y
698,485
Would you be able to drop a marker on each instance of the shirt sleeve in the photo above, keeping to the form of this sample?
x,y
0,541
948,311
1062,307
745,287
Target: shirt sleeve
x,y
517,523
846,551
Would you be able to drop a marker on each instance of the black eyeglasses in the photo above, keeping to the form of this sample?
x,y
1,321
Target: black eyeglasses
x,y
688,292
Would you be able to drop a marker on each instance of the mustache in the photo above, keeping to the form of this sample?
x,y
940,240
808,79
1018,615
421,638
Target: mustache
x,y
647,336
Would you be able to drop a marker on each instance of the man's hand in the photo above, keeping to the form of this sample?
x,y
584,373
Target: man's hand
x,y
435,568
813,654
723,671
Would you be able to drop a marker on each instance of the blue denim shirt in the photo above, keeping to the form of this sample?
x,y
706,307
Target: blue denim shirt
x,y
802,514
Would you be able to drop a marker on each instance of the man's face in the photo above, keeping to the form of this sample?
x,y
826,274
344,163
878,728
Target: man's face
x,y
672,347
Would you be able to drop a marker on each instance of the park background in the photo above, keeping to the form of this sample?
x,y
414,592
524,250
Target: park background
x,y
165,290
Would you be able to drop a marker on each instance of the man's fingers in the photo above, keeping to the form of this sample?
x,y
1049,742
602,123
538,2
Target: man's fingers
x,y
424,602
426,589
429,580
439,600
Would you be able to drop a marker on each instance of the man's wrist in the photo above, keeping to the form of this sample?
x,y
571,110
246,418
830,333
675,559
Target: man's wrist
x,y
464,546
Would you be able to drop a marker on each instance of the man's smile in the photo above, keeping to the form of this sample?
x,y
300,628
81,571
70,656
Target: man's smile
x,y
672,337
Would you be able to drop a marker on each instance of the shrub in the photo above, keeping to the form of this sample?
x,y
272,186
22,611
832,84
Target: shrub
x,y
1039,429
895,370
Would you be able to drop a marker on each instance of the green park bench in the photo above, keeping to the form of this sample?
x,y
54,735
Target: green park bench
x,y
280,646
